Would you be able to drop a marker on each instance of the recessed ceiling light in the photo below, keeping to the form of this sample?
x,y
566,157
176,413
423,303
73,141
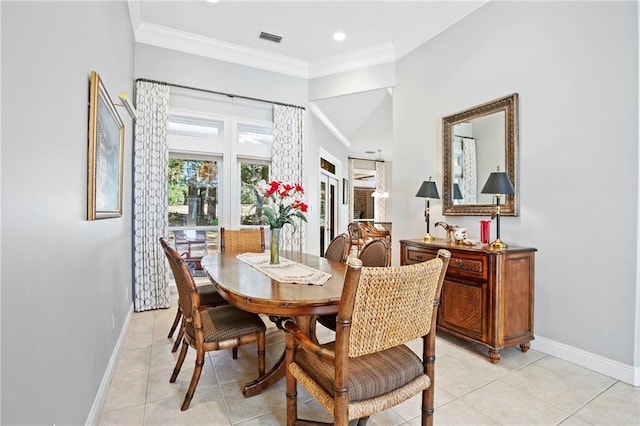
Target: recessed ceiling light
x,y
339,36
212,1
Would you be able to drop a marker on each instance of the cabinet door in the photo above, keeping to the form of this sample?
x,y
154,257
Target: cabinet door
x,y
462,307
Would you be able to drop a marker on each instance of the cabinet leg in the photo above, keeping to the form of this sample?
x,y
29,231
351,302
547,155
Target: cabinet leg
x,y
494,356
524,347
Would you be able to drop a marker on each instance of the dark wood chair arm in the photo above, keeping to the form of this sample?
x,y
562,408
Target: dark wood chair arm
x,y
305,342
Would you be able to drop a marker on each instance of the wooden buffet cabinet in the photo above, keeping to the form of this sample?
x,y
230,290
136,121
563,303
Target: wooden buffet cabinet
x,y
487,296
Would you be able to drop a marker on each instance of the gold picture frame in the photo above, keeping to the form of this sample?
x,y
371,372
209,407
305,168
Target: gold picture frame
x,y
106,154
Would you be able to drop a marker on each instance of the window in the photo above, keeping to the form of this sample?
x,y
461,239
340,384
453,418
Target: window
x,y
250,175
206,150
192,192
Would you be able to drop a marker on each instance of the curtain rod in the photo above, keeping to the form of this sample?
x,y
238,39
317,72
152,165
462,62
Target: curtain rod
x,y
230,95
365,159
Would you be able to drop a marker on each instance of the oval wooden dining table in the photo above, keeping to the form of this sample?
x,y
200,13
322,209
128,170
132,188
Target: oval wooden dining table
x,y
247,288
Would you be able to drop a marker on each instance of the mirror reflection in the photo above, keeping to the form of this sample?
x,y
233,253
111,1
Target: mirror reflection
x,y
478,147
476,141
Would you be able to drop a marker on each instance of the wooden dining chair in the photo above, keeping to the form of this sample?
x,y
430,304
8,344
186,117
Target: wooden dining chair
x,y
209,297
209,329
338,248
369,368
250,240
375,253
355,239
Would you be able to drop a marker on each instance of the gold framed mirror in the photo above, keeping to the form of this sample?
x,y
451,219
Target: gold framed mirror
x,y
474,143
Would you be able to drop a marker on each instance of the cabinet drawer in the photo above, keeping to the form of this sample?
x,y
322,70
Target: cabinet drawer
x,y
419,255
469,265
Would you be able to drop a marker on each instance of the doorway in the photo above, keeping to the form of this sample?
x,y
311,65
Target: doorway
x,y
328,210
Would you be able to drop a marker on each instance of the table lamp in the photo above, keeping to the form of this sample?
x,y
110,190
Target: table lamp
x,y
498,184
427,190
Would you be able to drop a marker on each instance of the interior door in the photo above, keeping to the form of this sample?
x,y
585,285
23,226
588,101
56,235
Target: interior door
x,y
328,210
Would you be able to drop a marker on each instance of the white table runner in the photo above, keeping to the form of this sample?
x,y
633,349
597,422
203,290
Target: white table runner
x,y
287,271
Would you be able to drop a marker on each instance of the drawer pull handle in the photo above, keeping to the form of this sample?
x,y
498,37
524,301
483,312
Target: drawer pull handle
x,y
459,263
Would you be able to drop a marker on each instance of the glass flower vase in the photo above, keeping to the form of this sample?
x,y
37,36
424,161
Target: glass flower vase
x,y
274,259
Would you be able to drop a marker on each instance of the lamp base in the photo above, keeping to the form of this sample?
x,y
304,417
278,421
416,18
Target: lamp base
x,y
427,238
498,244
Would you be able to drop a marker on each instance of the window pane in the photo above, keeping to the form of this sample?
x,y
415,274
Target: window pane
x,y
193,192
195,127
254,135
250,175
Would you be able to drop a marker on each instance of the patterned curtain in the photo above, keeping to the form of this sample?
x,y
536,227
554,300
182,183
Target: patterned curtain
x,y
151,277
287,162
380,213
469,186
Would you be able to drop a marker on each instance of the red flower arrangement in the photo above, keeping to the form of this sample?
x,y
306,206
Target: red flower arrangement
x,y
282,202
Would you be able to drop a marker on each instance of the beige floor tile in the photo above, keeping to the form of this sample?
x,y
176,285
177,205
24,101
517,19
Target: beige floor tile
x,y
609,409
269,400
574,421
207,408
410,408
130,416
126,390
137,339
142,321
457,413
625,392
275,418
244,369
575,372
161,355
458,377
133,360
510,405
158,386
559,391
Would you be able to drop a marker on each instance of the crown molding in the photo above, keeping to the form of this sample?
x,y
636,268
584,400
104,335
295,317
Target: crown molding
x,y
169,38
325,120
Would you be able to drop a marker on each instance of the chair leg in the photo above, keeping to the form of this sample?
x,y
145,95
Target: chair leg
x,y
197,371
176,321
234,352
176,369
427,406
178,340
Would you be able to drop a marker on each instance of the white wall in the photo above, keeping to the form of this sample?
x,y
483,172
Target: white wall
x,y
63,277
575,67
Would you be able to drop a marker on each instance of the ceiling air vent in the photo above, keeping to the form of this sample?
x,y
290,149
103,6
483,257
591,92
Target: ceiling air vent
x,y
271,37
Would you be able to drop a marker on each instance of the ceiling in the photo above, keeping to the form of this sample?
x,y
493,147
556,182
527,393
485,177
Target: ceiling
x,y
376,32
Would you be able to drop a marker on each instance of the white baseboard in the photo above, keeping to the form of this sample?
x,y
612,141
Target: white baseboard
x,y
98,402
617,370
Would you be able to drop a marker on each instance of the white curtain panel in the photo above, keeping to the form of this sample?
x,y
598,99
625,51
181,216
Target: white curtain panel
x,y
287,162
151,274
469,187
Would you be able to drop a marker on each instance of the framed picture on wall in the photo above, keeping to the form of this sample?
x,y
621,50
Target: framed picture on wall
x,y
106,154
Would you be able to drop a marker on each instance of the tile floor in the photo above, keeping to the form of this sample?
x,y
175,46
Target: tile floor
x,y
522,389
